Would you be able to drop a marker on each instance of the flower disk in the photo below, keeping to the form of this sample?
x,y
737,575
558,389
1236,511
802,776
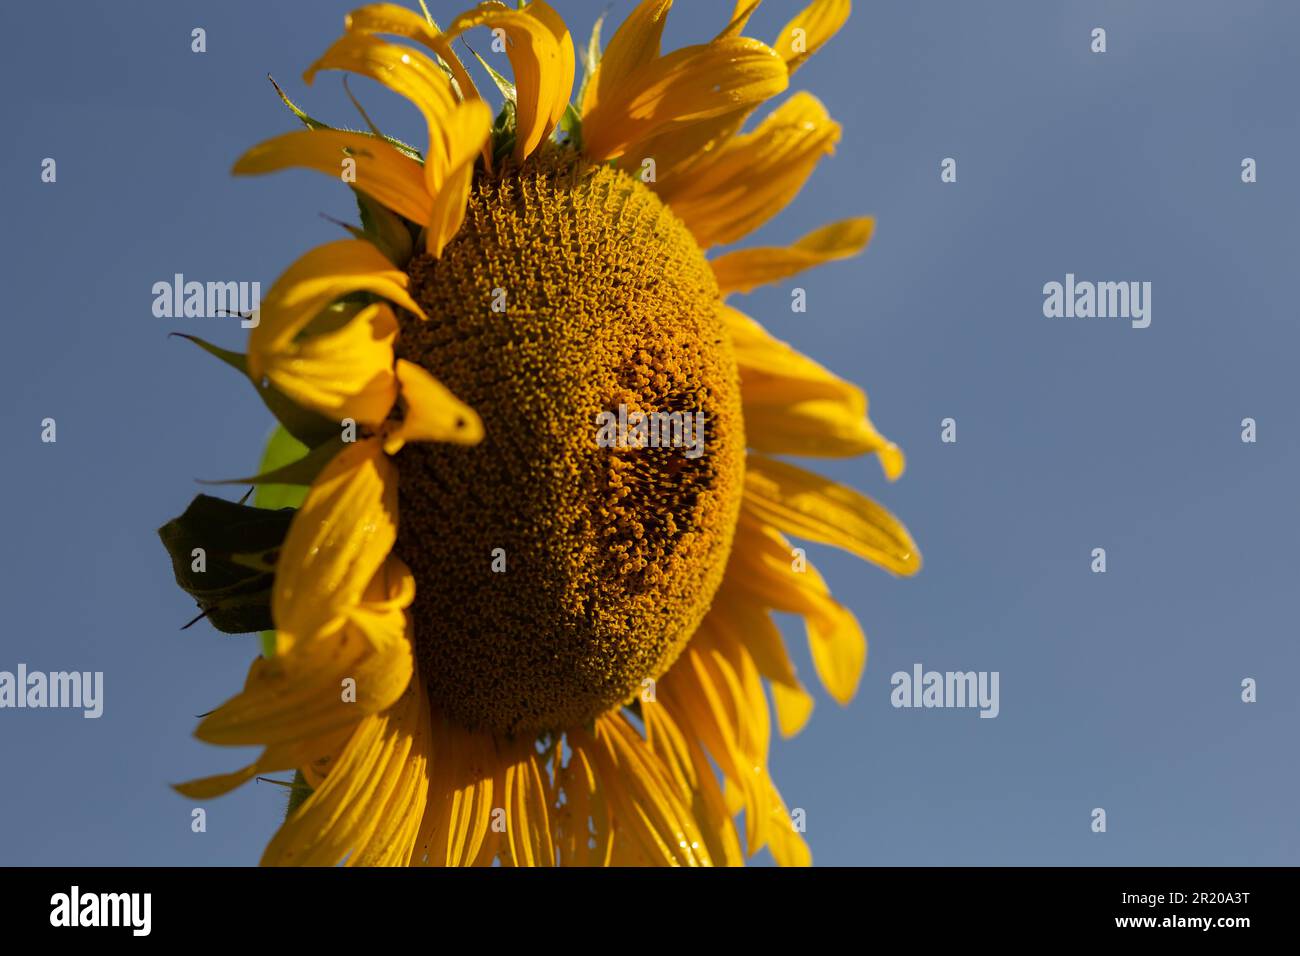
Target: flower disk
x,y
556,574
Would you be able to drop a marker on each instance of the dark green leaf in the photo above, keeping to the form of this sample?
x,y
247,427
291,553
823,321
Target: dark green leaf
x,y
240,547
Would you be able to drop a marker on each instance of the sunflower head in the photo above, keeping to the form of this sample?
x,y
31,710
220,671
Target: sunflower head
x,y
570,294
541,534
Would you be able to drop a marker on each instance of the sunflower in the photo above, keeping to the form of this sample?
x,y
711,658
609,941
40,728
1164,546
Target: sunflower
x,y
492,637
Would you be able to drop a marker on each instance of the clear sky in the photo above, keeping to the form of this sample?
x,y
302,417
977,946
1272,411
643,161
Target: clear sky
x,y
1119,690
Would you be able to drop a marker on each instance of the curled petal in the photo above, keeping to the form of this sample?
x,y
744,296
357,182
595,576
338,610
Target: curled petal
x,y
432,412
543,74
396,20
319,278
344,373
381,171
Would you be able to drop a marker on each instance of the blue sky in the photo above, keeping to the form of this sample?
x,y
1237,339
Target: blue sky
x,y
1118,690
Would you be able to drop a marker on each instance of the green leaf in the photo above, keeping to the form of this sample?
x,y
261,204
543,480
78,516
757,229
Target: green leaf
x,y
281,449
428,16
306,426
236,360
313,123
365,117
591,58
504,86
301,472
571,126
308,121
386,230
240,545
299,791
504,132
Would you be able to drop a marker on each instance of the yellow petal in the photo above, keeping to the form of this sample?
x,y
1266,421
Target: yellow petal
x,y
207,788
283,756
391,842
490,850
732,661
744,183
838,649
327,752
449,206
567,66
794,406
457,130
748,269
346,373
396,20
701,695
788,846
634,45
369,807
382,172
806,505
794,424
408,73
432,412
692,84
763,570
813,26
680,147
339,538
642,796
737,616
322,276
586,831
794,706
528,826
696,782
459,810
543,75
744,9
317,688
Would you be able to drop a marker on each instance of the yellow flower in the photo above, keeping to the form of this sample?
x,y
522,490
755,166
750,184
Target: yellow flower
x,y
496,637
